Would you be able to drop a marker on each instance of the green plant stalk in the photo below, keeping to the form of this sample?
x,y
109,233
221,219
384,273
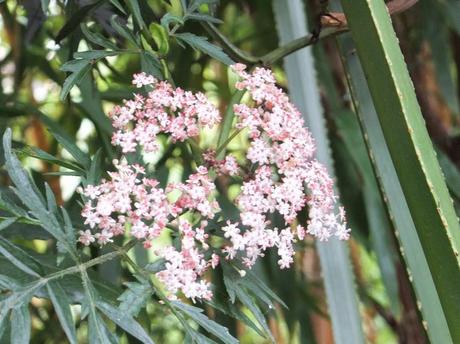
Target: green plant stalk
x,y
292,46
334,256
229,115
431,239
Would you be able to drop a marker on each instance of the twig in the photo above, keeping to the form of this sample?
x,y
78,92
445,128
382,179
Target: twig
x,y
333,24
338,19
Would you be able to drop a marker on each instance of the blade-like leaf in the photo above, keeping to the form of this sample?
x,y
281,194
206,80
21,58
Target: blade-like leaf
x,y
94,54
20,325
411,151
74,79
379,223
21,259
61,304
97,330
201,43
29,194
202,17
125,321
42,155
76,19
134,297
197,315
7,222
151,65
97,38
136,11
123,31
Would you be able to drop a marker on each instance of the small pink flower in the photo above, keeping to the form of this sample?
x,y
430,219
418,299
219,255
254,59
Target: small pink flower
x,y
86,238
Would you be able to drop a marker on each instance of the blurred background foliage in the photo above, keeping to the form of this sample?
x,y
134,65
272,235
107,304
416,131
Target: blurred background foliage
x,y
38,37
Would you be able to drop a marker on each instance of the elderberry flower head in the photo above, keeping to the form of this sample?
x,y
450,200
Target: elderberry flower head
x,y
279,177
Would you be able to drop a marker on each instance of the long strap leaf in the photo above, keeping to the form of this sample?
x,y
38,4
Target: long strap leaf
x,y
427,227
334,255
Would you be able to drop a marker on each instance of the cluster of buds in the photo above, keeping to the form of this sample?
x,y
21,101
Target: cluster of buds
x,y
280,176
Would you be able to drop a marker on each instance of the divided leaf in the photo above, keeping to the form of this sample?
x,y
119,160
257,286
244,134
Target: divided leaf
x,y
61,304
209,325
201,43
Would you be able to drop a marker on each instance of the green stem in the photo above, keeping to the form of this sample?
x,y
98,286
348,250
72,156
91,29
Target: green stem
x,y
86,265
227,123
299,43
240,56
221,149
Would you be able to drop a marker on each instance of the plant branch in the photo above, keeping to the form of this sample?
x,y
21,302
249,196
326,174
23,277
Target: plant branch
x,y
86,265
332,23
338,19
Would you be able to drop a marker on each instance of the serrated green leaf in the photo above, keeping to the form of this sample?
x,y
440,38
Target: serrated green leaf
x,y
29,194
125,321
123,31
228,122
202,18
247,301
134,297
97,332
95,169
232,310
260,289
21,325
97,38
73,65
61,304
68,227
76,19
451,173
201,43
151,65
3,325
42,155
7,204
66,141
91,103
50,199
94,54
7,222
20,258
64,173
21,296
196,314
136,11
156,266
74,79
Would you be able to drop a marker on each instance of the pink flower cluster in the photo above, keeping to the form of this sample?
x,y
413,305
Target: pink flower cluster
x,y
286,179
281,177
165,109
